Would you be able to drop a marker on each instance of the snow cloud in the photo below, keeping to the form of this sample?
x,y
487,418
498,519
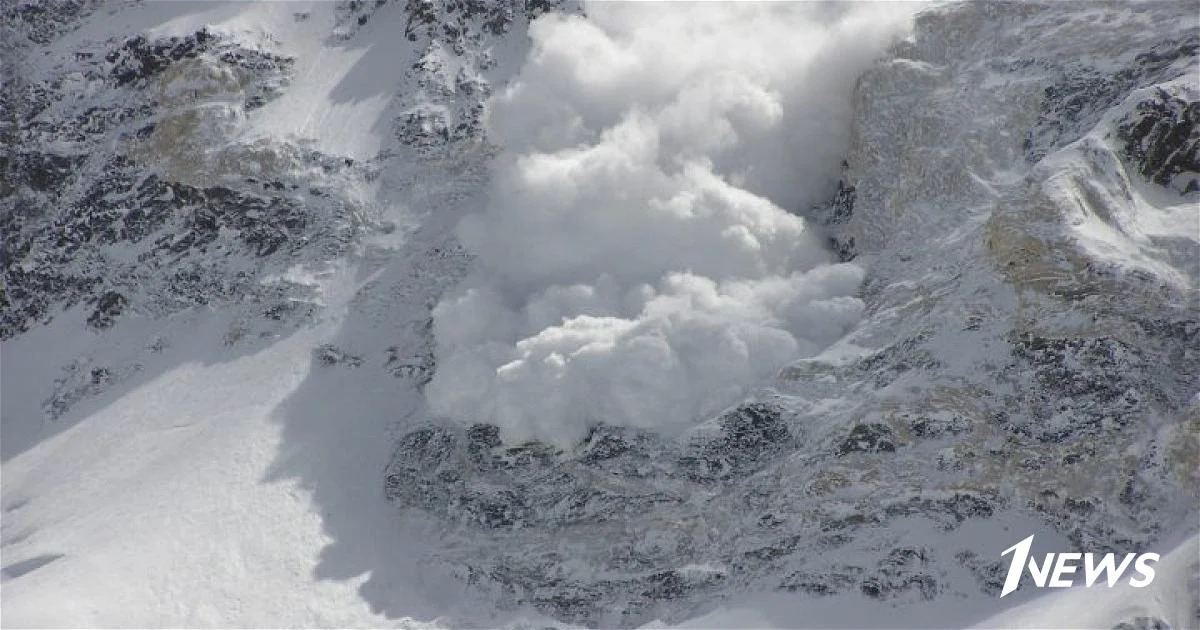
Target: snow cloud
x,y
637,260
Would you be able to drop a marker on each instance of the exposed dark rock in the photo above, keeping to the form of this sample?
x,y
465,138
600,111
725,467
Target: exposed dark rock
x,y
990,574
835,214
108,308
950,510
830,582
43,20
44,172
81,379
1162,139
668,585
1081,383
1075,103
60,237
890,363
746,435
1143,623
139,59
481,439
329,355
184,221
936,426
868,438
842,206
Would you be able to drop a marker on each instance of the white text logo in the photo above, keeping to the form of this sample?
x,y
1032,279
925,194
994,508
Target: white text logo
x,y
1060,570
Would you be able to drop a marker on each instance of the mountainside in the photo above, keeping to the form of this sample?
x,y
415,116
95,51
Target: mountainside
x,y
235,255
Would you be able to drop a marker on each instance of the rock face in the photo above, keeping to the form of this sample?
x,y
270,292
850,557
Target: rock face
x,y
130,188
122,202
125,186
1063,323
1162,136
1021,188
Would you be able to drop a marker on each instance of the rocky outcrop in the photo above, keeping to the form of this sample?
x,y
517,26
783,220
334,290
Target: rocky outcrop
x,y
1162,137
109,204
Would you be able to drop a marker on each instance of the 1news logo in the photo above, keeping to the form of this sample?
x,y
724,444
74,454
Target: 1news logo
x,y
1058,570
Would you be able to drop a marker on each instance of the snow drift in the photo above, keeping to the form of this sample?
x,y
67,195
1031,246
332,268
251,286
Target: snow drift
x,y
638,261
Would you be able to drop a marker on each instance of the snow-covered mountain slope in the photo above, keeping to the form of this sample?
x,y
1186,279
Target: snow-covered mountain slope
x,y
224,227
227,228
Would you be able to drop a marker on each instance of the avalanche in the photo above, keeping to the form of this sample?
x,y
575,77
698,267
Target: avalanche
x,y
455,313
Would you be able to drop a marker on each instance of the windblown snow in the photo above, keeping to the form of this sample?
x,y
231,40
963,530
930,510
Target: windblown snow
x,y
639,258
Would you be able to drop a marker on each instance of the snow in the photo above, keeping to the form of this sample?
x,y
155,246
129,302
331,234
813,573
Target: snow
x,y
340,92
207,481
638,256
218,482
1127,222
175,501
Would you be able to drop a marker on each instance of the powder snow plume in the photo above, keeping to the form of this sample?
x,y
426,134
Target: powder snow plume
x,y
637,263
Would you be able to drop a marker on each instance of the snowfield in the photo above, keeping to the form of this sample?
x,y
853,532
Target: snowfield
x,y
462,314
